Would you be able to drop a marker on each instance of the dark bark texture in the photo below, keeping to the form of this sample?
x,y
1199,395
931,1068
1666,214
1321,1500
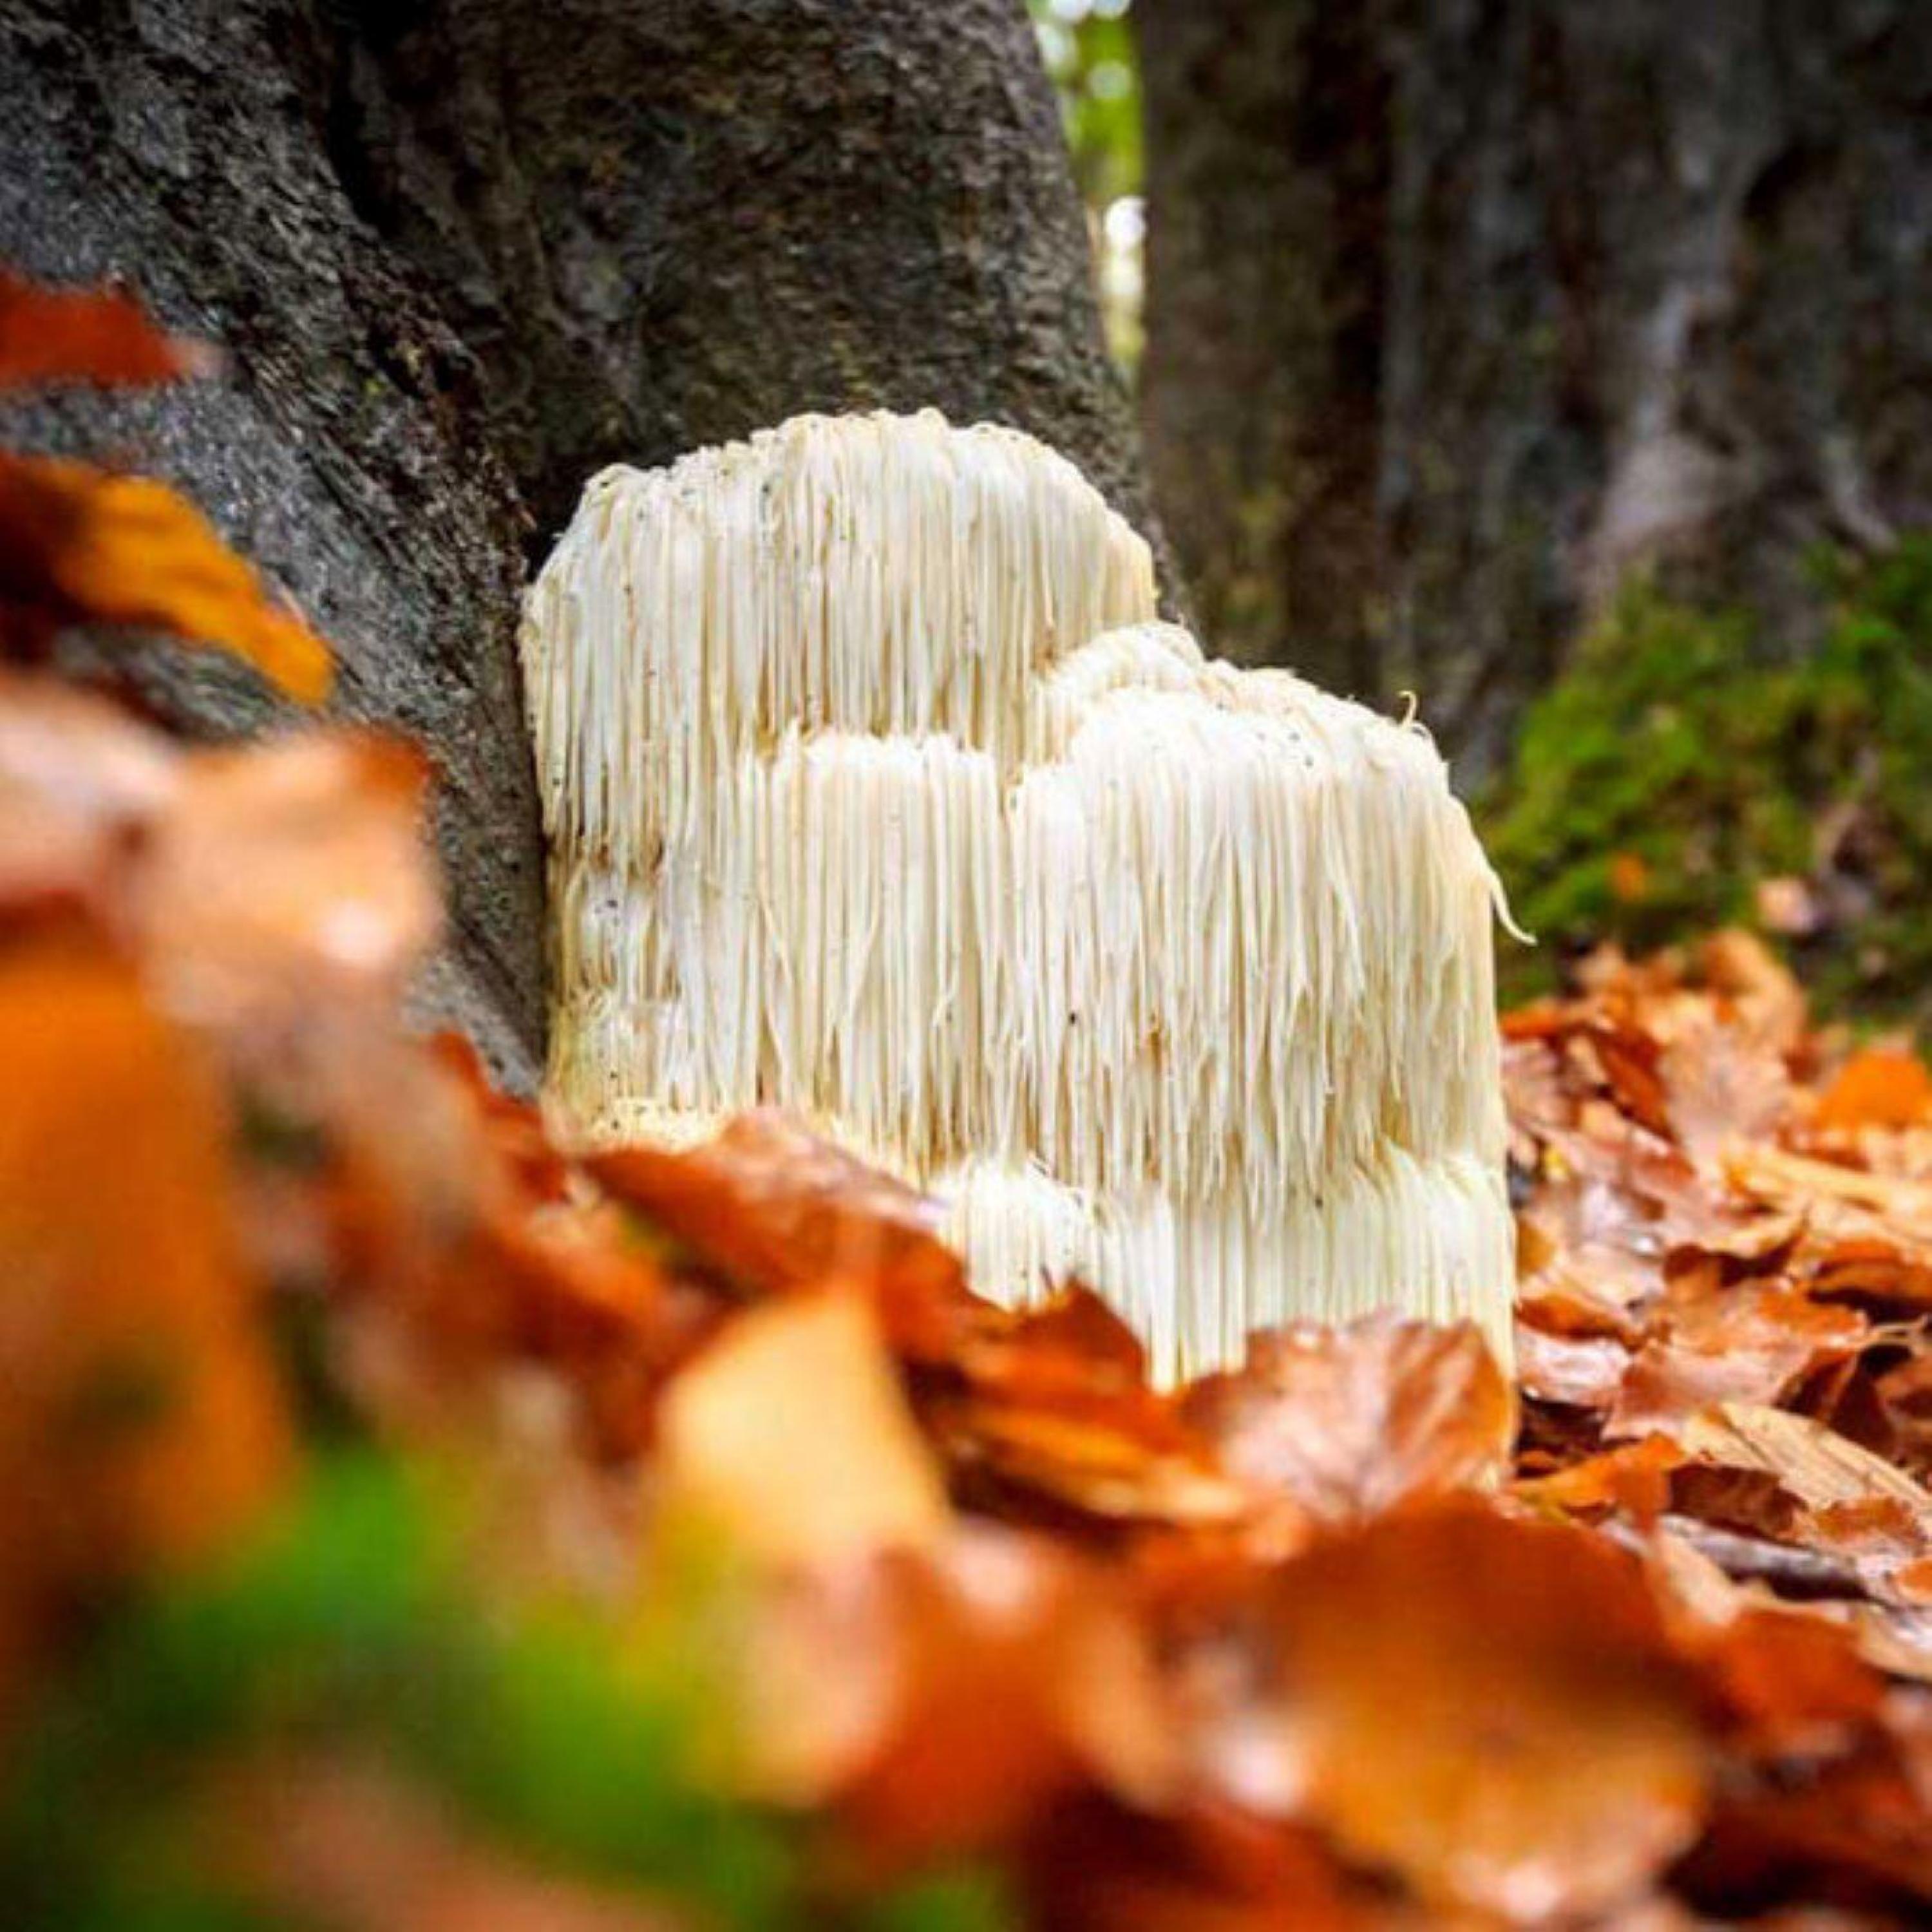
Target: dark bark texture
x,y
1459,309
462,253
660,224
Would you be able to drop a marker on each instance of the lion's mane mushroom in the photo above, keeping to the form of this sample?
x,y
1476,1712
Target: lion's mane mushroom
x,y
875,791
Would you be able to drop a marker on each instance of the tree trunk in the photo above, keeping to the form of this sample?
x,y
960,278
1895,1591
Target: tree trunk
x,y
1458,309
667,222
462,253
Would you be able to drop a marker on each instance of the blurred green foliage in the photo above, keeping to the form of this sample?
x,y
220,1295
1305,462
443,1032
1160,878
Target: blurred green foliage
x,y
1089,48
1680,761
346,1634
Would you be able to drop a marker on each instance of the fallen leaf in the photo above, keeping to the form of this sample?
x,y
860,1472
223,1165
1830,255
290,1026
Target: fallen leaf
x,y
1490,1709
293,874
1050,1417
1634,1478
772,1208
87,335
1747,1343
79,545
1585,1371
1098,1867
1821,1468
1879,1088
1630,1062
1876,1275
143,1421
944,1701
81,788
1759,992
1721,1084
789,1435
1350,1422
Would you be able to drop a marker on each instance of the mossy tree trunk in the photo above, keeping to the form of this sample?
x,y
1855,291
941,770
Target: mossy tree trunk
x,y
1459,309
463,252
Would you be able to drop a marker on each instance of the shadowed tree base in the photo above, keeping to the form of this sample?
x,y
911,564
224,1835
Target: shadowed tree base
x,y
462,255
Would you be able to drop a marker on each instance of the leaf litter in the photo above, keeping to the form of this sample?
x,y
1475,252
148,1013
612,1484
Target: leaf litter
x,y
726,1560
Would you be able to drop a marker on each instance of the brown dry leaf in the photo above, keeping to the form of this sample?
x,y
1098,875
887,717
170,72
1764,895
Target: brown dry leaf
x,y
1040,1465
1099,1867
80,545
1839,1202
1821,1468
1758,991
1876,1275
1785,1680
1746,1343
772,1207
515,1127
1055,1416
1858,1828
1022,1679
1721,1085
562,1284
87,335
1490,1708
790,1435
1630,1063
1349,1422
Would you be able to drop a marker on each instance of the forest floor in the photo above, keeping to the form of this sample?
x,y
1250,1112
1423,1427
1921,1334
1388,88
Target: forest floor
x,y
406,1523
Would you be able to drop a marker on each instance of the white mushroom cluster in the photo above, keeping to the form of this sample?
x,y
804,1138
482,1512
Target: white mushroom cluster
x,y
875,791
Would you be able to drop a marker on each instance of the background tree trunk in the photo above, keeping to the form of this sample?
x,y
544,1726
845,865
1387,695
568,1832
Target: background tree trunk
x,y
1459,308
463,252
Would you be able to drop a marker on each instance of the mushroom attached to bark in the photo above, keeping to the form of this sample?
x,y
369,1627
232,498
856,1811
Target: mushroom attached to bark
x,y
875,791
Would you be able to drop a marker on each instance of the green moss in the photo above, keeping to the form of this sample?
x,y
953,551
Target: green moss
x,y
1679,740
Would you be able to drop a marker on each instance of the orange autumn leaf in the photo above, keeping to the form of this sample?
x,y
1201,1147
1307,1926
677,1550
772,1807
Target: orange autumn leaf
x,y
87,335
1879,1088
1629,876
1489,1709
1352,1421
143,1419
1819,1466
1056,1415
82,545
1633,1477
1747,1343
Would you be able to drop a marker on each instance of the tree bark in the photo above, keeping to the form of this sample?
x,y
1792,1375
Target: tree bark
x,y
667,222
463,253
1458,310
